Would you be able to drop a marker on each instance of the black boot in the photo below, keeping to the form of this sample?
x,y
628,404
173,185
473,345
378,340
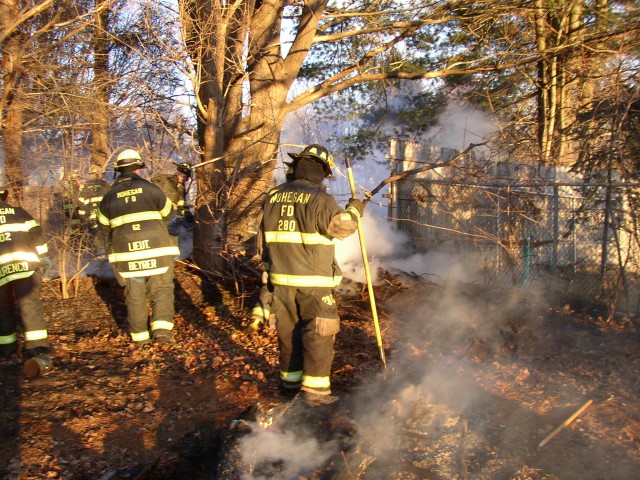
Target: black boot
x,y
164,336
315,400
35,351
289,389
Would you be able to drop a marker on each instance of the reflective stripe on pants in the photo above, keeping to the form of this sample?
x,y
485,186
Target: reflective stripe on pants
x,y
26,293
301,348
158,289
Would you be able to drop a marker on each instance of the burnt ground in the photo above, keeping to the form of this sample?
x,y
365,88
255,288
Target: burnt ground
x,y
475,380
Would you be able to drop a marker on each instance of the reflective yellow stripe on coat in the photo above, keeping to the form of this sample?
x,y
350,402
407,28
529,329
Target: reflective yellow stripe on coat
x,y
304,280
134,218
297,237
19,227
144,273
144,254
19,257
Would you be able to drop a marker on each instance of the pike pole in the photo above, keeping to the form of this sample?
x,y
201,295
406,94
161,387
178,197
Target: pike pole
x,y
367,272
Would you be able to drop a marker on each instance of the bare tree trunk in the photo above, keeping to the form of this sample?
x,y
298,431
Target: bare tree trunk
x,y
100,112
558,26
12,100
243,82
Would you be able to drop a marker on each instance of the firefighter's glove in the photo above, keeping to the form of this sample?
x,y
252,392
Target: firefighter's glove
x,y
188,216
355,204
253,327
183,211
45,264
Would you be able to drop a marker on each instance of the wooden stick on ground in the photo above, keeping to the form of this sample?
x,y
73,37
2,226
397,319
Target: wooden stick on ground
x,y
565,423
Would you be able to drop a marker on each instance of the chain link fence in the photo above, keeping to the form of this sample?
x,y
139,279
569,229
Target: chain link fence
x,y
576,242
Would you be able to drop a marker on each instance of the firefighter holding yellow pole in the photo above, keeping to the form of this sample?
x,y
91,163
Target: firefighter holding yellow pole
x,y
300,221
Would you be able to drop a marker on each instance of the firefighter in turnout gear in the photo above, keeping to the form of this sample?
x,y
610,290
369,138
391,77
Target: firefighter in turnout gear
x,y
300,221
135,214
23,262
176,186
89,198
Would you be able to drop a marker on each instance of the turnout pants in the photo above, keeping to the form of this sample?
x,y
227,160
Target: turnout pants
x,y
306,322
24,294
138,291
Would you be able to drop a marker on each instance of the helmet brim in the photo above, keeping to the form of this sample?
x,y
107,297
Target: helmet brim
x,y
315,158
137,165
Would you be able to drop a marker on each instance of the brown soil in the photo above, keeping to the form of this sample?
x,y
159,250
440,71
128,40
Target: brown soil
x,y
475,380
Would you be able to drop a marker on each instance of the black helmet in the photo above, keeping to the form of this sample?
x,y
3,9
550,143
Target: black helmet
x,y
319,154
128,158
185,168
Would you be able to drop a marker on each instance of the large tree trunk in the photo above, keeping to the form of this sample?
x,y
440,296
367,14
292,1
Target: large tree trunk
x,y
232,191
12,100
558,27
242,90
100,111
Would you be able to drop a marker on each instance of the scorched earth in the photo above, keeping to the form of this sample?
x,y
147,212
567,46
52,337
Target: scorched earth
x,y
480,383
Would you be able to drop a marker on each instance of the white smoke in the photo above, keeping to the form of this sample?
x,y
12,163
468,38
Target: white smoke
x,y
293,454
389,249
459,125
434,379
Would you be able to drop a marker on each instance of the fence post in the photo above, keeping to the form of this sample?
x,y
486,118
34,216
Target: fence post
x,y
605,232
497,232
527,260
574,242
394,169
556,228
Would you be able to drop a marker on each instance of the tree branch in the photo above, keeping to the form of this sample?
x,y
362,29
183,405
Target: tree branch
x,y
22,17
415,171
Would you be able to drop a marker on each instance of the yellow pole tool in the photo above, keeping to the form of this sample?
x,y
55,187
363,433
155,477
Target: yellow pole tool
x,y
367,272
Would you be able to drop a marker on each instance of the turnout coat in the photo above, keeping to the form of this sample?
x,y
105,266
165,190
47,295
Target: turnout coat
x,y
91,194
299,224
21,244
135,214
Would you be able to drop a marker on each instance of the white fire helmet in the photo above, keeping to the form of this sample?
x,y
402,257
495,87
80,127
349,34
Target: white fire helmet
x,y
128,158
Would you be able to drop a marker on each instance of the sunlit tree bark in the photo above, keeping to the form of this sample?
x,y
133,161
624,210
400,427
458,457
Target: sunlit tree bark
x,y
11,100
243,75
100,113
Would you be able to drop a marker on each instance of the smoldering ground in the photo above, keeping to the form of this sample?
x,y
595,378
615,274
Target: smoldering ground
x,y
469,391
